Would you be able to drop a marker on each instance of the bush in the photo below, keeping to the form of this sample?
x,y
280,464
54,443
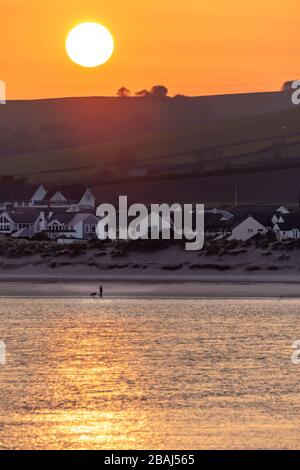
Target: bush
x,y
283,258
172,267
253,268
268,253
219,267
118,254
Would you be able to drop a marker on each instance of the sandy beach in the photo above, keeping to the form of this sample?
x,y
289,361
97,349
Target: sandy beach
x,y
166,273
143,289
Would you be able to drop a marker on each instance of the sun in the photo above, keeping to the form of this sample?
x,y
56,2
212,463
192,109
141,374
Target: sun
x,y
89,44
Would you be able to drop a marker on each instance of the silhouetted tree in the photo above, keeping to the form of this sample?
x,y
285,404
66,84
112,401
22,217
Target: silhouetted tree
x,y
159,91
180,97
123,92
142,93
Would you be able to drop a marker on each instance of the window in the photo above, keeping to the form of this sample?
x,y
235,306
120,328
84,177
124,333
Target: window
x,y
90,228
55,227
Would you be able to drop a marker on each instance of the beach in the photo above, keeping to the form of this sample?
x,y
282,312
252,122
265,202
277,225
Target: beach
x,y
149,289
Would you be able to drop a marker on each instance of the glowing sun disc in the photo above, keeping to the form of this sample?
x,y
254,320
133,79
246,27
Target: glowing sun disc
x,y
89,44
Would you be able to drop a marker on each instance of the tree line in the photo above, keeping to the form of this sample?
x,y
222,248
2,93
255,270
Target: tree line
x,y
159,91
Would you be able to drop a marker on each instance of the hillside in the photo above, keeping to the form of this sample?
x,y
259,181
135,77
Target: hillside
x,y
270,140
31,126
184,149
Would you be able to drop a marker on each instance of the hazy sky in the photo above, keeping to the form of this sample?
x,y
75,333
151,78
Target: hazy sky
x,y
192,46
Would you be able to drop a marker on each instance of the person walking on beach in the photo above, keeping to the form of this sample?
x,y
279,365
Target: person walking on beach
x,y
101,292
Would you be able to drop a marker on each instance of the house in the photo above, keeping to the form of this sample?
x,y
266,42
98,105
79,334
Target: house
x,y
249,221
226,215
287,227
73,197
75,226
21,195
59,225
215,224
244,229
12,222
85,226
29,222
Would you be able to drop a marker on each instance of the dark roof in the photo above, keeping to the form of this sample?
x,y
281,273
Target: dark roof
x,y
24,233
15,192
264,218
62,217
24,217
235,221
71,192
262,214
237,210
213,221
291,221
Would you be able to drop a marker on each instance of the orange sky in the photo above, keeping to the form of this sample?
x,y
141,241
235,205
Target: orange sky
x,y
194,47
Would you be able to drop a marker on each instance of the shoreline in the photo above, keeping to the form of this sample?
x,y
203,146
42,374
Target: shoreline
x,y
150,278
149,289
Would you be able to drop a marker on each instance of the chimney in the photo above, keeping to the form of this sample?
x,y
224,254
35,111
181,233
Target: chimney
x,y
42,221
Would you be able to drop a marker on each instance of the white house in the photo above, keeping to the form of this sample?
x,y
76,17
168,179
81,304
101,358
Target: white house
x,y
73,198
76,197
246,229
288,227
78,226
21,195
12,222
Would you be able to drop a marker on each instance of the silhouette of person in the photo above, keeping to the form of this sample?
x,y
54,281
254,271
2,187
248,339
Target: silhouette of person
x,y
101,292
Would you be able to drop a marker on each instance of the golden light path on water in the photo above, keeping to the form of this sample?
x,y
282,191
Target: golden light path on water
x,y
165,374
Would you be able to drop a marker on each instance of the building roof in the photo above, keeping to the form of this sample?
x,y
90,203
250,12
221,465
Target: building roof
x,y
291,221
17,192
235,221
24,217
71,192
250,210
63,218
24,233
80,217
264,218
213,221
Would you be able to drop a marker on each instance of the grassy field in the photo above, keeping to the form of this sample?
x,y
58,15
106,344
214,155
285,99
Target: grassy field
x,y
217,140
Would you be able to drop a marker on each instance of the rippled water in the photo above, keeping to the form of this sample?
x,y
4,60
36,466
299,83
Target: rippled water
x,y
164,374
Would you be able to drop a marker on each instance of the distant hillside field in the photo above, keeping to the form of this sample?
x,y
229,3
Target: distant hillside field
x,y
99,141
216,144
30,126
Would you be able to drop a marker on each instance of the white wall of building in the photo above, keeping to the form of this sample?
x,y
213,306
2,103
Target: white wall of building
x,y
247,229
